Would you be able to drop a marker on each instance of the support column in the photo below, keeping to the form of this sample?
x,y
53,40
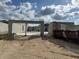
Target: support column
x,y
10,35
42,29
10,28
26,29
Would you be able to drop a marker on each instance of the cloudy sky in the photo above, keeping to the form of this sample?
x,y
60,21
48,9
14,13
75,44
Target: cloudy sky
x,y
47,10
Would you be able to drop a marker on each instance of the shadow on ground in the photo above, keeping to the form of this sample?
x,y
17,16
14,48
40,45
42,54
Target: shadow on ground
x,y
70,46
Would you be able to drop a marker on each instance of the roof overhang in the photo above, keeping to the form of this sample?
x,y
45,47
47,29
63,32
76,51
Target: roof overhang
x,y
63,22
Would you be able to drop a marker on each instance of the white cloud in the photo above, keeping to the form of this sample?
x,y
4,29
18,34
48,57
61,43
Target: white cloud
x,y
26,6
46,18
75,2
4,0
69,12
49,13
11,12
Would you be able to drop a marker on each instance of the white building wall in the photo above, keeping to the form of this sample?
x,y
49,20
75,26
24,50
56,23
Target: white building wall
x,y
50,29
53,26
72,27
18,28
62,27
3,27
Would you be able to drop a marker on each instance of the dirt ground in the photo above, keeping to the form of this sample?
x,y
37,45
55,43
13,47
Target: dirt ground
x,y
36,48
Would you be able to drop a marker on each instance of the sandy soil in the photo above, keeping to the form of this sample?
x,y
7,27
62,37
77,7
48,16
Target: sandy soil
x,y
36,48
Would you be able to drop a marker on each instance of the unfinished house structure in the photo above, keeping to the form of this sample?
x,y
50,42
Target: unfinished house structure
x,y
19,26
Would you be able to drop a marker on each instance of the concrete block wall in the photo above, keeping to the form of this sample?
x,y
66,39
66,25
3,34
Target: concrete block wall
x,y
3,27
18,28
